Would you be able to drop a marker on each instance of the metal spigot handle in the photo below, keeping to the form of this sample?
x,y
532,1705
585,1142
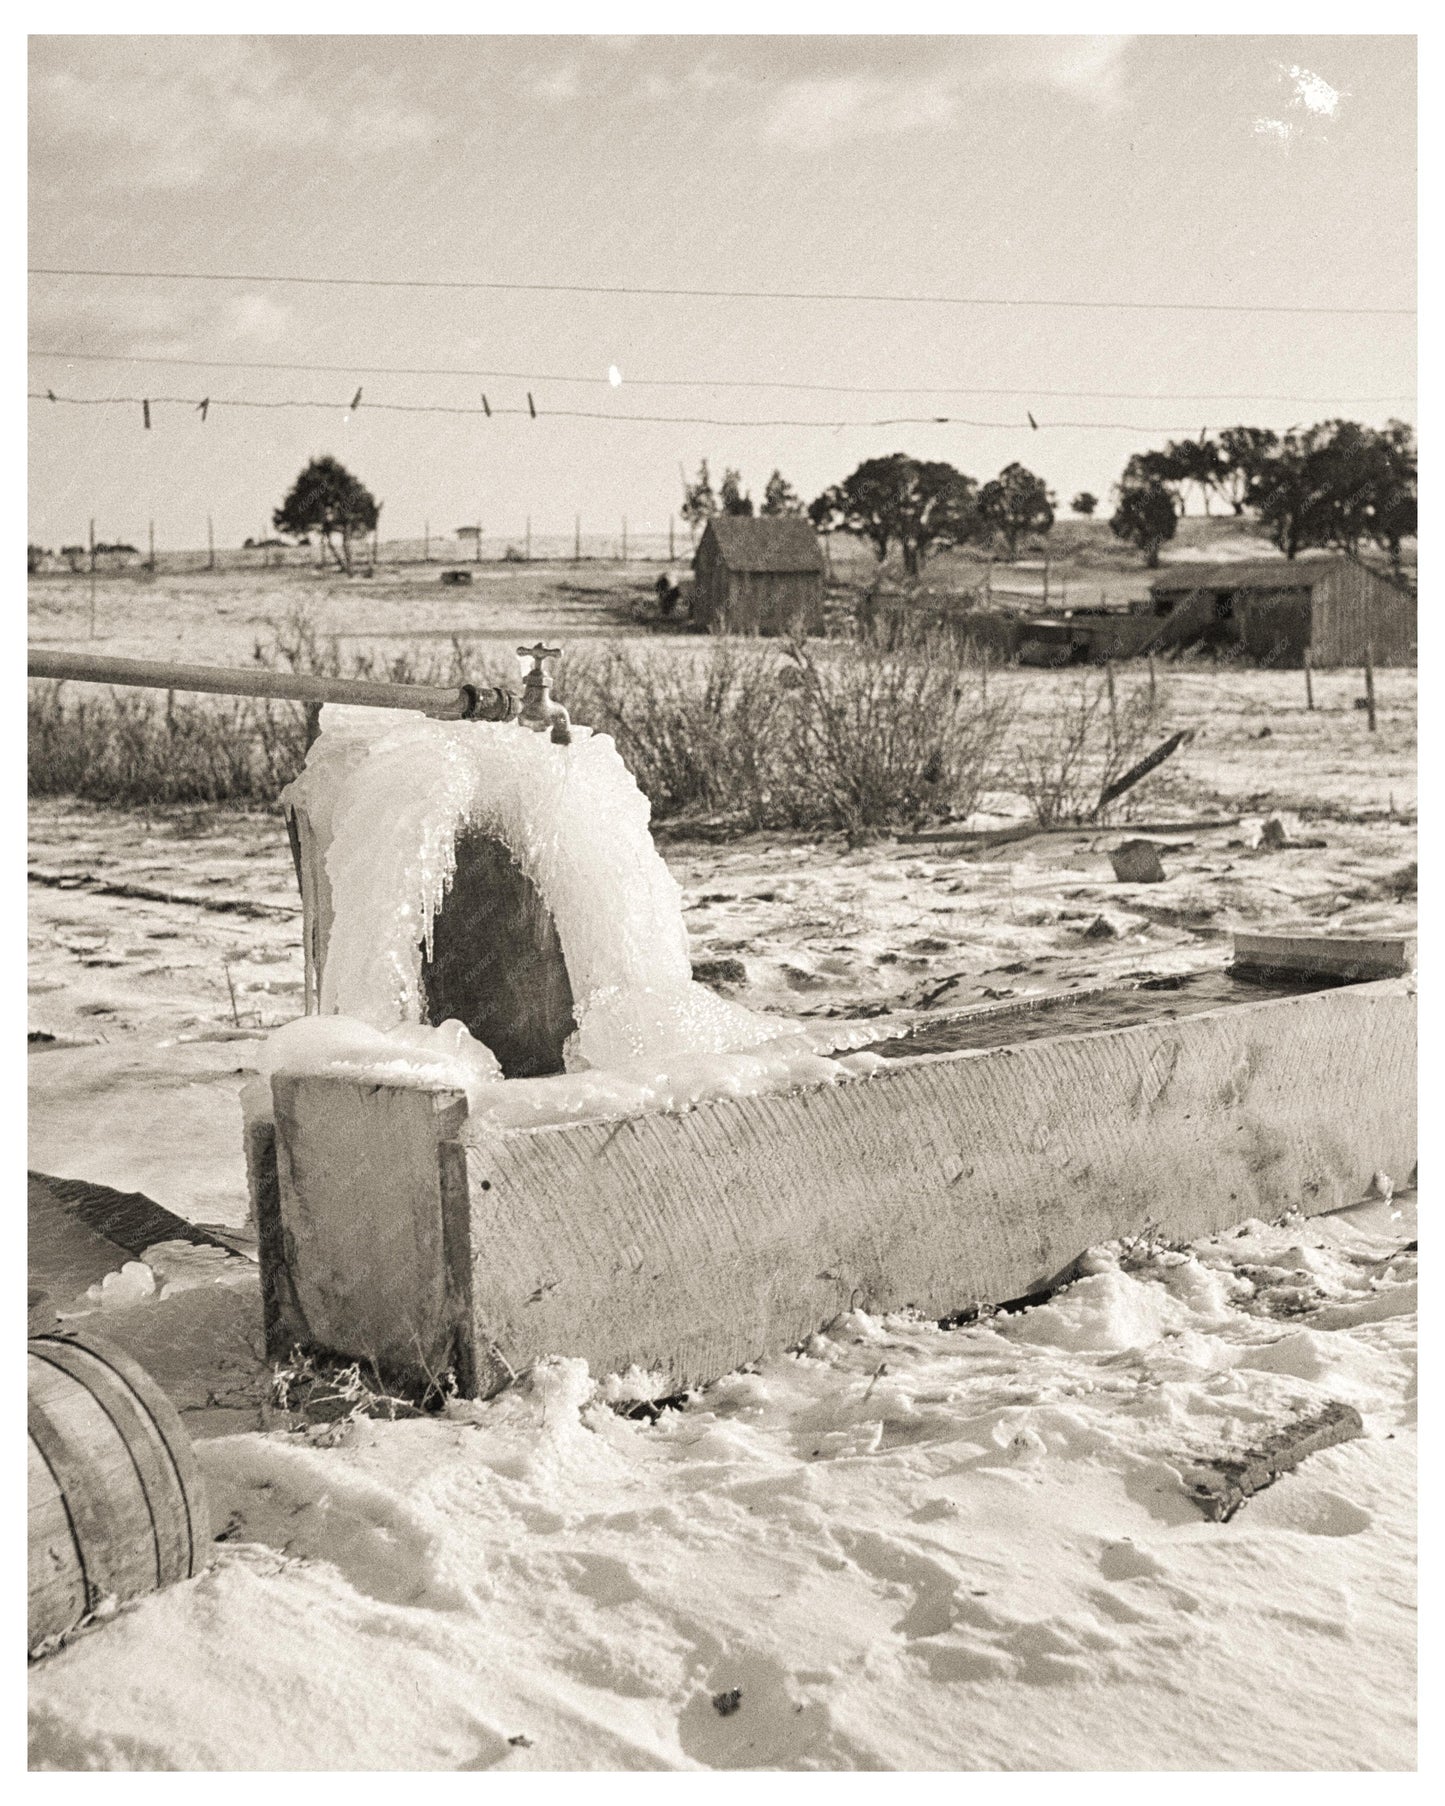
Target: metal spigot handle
x,y
537,653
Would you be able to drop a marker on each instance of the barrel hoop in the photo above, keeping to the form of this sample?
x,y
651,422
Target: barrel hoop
x,y
173,1436
44,1454
125,1442
157,1409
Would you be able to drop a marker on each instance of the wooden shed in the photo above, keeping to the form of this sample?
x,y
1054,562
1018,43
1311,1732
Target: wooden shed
x,y
758,575
1276,607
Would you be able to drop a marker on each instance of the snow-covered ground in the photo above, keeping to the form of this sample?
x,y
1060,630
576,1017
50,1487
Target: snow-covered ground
x,y
899,1547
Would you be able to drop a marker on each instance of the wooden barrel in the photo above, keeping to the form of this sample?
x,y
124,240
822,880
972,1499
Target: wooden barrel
x,y
117,1506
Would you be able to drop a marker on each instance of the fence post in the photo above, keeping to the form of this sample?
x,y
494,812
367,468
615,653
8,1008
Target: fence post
x,y
210,544
426,542
151,559
624,539
670,553
529,539
92,580
1309,684
577,541
479,542
1153,687
1370,683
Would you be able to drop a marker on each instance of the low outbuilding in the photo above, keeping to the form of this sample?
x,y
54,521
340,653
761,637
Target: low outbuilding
x,y
1275,609
758,574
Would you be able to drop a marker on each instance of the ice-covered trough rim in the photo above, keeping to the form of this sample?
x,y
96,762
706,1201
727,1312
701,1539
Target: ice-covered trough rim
x,y
395,1230
379,815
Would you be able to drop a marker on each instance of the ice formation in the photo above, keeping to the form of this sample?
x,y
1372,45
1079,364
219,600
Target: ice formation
x,y
388,797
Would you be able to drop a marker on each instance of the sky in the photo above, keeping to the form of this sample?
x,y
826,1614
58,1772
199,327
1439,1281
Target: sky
x,y
1266,172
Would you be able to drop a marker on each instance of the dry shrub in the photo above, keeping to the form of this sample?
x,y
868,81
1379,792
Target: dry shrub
x,y
699,734
1063,765
883,737
850,736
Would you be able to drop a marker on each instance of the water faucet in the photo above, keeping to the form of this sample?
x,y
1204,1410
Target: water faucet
x,y
538,711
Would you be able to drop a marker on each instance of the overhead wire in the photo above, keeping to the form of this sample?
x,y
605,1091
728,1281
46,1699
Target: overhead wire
x,y
489,411
472,284
697,382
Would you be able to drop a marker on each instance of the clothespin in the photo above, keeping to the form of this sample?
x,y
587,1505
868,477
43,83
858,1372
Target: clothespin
x,y
145,408
51,394
202,406
487,406
531,404
1032,422
356,401
940,420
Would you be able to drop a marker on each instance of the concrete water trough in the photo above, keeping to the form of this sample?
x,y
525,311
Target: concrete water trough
x,y
989,1154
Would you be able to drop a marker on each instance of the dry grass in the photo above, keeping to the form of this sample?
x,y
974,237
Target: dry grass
x,y
858,737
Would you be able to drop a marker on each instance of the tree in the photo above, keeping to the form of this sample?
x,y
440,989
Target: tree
x,y
1337,484
1243,453
780,497
1394,500
1146,515
1155,469
731,496
920,506
328,500
699,504
1084,503
1197,461
1016,502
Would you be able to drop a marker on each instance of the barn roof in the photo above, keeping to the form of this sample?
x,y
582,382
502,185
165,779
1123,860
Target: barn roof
x,y
1244,573
776,543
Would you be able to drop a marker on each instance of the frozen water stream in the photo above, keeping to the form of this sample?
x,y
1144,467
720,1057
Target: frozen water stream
x,y
389,798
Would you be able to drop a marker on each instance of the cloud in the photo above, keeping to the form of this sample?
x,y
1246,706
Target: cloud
x,y
1086,68
257,319
815,111
171,113
559,85
1310,105
819,110
162,322
1313,92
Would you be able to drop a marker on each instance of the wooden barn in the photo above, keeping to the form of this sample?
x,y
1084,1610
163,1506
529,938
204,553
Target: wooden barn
x,y
758,575
1275,608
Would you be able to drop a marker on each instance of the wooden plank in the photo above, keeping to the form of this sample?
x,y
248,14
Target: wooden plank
x,y
1219,1487
693,1243
373,1249
1349,956
985,837
128,1219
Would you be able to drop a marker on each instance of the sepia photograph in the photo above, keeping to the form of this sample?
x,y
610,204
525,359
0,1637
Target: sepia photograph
x,y
722,887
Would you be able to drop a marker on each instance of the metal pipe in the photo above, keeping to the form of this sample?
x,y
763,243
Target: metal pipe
x,y
461,702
